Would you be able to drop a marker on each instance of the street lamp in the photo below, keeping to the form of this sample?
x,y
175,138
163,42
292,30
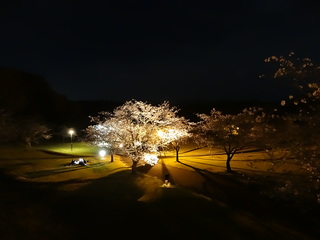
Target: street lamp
x,y
71,132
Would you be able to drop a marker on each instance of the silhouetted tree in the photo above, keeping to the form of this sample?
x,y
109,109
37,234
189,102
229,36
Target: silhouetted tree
x,y
32,130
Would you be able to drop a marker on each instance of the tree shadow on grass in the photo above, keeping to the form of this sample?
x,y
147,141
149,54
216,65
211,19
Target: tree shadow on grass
x,y
49,172
230,185
110,206
229,188
106,206
63,169
63,154
42,211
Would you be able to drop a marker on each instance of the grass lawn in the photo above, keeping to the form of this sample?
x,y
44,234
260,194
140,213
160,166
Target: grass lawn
x,y
42,198
215,160
48,163
78,148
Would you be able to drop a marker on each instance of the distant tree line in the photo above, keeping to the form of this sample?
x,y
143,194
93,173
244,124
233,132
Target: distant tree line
x,y
29,109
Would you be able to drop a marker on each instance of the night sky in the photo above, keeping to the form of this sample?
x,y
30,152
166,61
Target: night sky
x,y
157,50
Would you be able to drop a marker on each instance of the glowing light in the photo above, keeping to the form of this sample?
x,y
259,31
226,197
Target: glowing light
x,y
173,134
102,153
120,145
151,159
235,132
71,131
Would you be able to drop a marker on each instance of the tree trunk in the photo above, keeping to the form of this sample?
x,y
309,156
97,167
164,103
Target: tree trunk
x,y
177,153
228,163
134,166
111,158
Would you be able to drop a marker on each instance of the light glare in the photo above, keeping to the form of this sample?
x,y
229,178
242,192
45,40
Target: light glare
x,y
102,153
71,132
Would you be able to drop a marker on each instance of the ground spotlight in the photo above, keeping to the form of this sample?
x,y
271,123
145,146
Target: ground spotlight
x,y
102,153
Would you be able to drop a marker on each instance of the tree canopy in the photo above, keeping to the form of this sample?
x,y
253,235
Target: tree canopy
x,y
138,130
231,133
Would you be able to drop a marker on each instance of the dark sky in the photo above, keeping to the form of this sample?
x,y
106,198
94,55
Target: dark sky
x,y
157,50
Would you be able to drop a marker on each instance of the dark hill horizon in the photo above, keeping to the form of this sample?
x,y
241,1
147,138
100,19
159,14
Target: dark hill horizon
x,y
23,93
27,94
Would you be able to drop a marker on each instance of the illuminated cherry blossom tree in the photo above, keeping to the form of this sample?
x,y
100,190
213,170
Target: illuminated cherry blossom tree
x,y
302,110
302,72
177,135
138,130
102,136
231,133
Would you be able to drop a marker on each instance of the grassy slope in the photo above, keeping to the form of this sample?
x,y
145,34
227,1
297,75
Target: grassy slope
x,y
42,198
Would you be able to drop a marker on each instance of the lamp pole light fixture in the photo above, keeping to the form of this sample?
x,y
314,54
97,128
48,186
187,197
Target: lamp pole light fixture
x,y
71,132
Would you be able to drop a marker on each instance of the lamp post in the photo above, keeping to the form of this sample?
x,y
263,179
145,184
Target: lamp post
x,y
71,132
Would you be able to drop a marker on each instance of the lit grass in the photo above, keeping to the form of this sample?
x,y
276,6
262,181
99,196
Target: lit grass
x,y
50,164
47,163
78,148
105,196
215,160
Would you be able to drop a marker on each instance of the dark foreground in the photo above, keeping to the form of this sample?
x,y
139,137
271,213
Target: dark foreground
x,y
199,205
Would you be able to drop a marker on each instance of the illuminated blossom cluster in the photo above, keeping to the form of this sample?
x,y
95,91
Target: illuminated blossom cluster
x,y
295,67
301,112
231,133
141,128
150,159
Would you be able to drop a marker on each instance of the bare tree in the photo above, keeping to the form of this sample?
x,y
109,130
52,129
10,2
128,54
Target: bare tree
x,y
137,129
